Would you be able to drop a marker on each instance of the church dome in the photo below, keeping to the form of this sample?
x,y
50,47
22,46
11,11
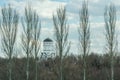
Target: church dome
x,y
47,40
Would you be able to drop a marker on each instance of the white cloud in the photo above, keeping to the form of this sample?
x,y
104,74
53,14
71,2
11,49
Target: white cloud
x,y
46,8
96,25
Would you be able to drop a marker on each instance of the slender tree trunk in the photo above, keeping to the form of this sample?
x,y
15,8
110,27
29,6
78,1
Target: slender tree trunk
x,y
112,68
27,68
61,69
84,70
36,69
36,64
10,69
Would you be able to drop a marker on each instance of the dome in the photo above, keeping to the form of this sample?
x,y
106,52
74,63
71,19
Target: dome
x,y
47,40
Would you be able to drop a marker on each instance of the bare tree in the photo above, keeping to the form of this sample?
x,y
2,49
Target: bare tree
x,y
84,35
9,24
111,38
61,34
36,42
27,36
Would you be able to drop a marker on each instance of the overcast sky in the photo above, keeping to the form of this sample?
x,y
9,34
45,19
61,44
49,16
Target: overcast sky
x,y
46,8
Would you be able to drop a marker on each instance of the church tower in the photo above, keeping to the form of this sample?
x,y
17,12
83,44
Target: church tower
x,y
48,48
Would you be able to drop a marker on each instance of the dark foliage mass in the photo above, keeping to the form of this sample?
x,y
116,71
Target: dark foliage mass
x,y
98,68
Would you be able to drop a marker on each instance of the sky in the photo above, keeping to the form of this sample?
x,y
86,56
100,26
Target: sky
x,y
46,9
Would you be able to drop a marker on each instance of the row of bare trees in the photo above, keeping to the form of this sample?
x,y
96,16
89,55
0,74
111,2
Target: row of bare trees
x,y
110,34
30,36
30,39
